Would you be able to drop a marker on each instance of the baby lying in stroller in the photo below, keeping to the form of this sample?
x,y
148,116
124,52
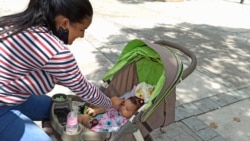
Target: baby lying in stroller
x,y
102,120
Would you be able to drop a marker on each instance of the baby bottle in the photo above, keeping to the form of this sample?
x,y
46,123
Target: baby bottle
x,y
72,123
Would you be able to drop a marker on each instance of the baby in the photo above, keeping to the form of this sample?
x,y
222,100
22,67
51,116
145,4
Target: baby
x,y
112,119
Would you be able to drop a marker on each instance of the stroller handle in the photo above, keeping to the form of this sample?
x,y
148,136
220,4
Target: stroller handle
x,y
184,50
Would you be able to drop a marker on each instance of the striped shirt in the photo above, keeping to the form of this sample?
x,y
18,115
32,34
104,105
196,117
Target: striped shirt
x,y
33,61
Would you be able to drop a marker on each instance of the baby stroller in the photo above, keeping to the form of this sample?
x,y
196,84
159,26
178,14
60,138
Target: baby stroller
x,y
140,61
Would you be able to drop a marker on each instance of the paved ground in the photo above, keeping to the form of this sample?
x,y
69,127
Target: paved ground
x,y
213,102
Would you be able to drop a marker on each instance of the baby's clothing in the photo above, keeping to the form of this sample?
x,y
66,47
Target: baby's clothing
x,y
109,121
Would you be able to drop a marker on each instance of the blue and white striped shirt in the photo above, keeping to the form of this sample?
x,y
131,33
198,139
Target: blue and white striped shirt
x,y
31,62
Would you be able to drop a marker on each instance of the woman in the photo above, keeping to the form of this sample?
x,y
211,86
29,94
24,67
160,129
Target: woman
x,y
34,57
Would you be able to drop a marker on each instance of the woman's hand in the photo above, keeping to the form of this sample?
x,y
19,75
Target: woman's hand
x,y
116,101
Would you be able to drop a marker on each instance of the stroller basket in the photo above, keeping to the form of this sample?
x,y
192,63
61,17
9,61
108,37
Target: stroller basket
x,y
141,61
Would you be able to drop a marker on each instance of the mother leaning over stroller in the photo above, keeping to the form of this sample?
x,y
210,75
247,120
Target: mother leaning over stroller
x,y
34,57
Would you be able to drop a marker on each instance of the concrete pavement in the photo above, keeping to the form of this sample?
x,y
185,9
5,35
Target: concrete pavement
x,y
213,102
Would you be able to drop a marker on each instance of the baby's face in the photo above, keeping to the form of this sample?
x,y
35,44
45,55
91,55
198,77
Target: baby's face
x,y
127,109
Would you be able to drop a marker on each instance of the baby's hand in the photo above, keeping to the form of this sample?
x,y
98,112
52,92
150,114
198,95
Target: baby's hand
x,y
91,111
84,119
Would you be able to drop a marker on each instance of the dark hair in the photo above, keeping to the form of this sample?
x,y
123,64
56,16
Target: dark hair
x,y
43,13
137,101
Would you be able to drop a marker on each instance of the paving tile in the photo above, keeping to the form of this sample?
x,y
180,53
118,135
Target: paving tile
x,y
206,133
216,99
206,105
218,138
181,113
194,124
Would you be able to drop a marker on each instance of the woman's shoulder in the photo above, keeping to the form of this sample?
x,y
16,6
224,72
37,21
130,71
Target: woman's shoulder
x,y
42,34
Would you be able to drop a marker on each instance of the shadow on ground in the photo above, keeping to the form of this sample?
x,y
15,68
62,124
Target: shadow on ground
x,y
222,53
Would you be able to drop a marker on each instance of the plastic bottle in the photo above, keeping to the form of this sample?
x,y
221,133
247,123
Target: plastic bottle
x,y
72,123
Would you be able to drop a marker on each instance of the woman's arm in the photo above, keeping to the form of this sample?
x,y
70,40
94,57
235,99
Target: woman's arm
x,y
64,68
